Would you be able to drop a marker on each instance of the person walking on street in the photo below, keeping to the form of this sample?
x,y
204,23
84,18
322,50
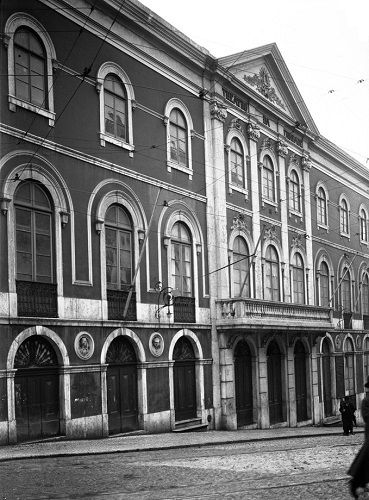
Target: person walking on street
x,y
347,410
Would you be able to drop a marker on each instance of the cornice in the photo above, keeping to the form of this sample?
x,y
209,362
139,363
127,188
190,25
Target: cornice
x,y
349,250
337,154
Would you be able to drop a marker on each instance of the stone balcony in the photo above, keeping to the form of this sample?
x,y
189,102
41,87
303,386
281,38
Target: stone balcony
x,y
244,313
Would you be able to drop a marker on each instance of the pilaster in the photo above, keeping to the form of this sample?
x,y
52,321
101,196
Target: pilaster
x,y
306,166
282,151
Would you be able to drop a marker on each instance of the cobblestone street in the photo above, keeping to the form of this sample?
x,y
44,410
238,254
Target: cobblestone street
x,y
307,468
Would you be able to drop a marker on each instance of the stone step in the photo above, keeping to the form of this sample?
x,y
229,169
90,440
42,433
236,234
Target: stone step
x,y
194,424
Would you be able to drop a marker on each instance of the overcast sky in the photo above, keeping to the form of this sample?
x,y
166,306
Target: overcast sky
x,y
325,44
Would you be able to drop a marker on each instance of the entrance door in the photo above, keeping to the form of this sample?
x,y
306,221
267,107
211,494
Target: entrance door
x,y
184,381
121,381
300,382
243,384
36,390
274,366
327,379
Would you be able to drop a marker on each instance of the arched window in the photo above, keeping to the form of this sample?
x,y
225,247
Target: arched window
x,y
271,275
241,268
298,279
363,226
33,234
344,217
365,295
324,285
119,248
115,108
178,138
366,357
237,164
349,367
268,180
322,207
30,67
181,257
346,290
294,192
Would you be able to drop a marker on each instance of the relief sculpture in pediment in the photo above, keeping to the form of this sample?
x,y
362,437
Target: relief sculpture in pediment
x,y
262,84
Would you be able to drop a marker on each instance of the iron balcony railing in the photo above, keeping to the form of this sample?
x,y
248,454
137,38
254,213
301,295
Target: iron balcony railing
x,y
184,310
257,311
117,302
37,299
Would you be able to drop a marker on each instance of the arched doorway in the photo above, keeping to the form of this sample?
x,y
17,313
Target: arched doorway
x,y
243,384
327,378
121,380
274,366
36,388
184,374
300,381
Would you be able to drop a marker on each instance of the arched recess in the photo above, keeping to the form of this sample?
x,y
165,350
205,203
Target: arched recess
x,y
182,384
52,181
274,242
265,154
245,382
245,234
64,376
301,252
363,280
123,382
19,20
301,366
234,133
327,374
275,355
180,212
125,197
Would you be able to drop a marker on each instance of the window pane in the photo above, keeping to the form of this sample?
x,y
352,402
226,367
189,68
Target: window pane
x,y
43,268
24,266
43,245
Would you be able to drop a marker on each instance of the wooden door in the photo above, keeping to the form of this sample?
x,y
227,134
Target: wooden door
x,y
300,382
184,375
122,400
243,384
274,367
36,387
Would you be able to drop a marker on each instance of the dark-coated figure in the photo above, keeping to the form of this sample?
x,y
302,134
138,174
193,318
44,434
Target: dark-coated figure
x,y
347,410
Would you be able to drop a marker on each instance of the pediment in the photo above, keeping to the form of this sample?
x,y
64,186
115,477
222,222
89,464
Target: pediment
x,y
264,71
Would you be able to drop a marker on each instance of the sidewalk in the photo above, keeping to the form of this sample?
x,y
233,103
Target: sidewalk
x,y
149,442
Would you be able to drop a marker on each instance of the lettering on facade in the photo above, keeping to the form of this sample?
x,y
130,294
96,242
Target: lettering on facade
x,y
292,138
234,99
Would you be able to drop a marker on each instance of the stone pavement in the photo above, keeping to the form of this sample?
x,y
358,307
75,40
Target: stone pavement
x,y
126,443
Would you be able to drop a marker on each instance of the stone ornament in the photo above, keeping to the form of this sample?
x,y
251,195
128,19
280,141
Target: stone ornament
x,y
84,345
156,344
338,342
263,85
253,132
218,110
359,342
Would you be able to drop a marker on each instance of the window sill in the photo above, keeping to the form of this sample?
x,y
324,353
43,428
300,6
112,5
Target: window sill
x,y
14,102
266,201
345,235
122,144
295,213
239,189
322,226
177,166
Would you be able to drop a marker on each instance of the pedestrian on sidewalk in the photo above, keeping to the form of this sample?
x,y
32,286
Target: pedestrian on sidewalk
x,y
347,410
359,469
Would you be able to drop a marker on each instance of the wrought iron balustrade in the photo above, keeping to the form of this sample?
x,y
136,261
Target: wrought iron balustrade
x,y
256,310
36,299
117,302
184,310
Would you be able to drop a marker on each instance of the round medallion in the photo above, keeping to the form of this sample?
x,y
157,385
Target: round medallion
x,y
156,344
84,345
338,342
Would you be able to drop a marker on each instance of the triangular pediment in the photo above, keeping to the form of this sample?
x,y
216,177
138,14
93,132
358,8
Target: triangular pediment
x,y
264,71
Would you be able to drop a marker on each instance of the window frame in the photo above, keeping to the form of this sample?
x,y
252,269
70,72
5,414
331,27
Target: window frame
x,y
323,262
273,172
234,259
182,245
365,286
349,368
363,222
292,195
295,279
272,265
321,188
172,104
23,20
235,135
112,68
344,213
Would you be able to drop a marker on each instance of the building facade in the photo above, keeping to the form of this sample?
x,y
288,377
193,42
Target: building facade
x,y
180,247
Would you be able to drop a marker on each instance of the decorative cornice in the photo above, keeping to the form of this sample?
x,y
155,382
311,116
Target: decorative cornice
x,y
218,111
262,84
